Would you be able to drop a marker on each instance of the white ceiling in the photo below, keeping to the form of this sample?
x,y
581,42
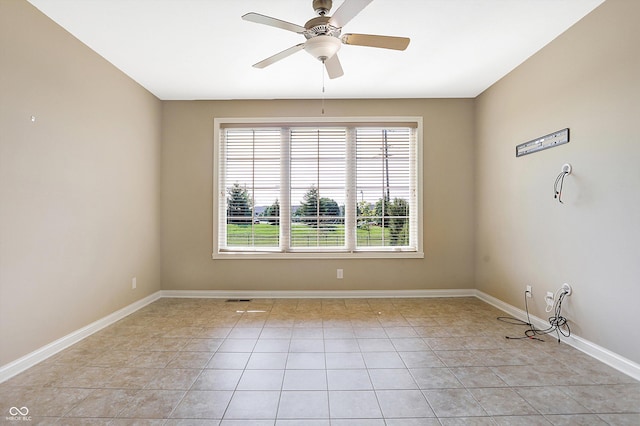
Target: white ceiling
x,y
202,49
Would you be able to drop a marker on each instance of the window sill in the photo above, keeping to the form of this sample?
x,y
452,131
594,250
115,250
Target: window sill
x,y
320,255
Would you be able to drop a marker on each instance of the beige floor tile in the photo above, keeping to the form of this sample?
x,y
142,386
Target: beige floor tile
x,y
339,333
190,360
432,331
453,403
203,345
577,420
174,379
305,361
217,380
214,333
131,378
307,333
357,379
153,359
274,321
54,401
435,378
103,403
423,421
202,405
253,405
276,332
370,332
267,361
303,405
459,358
184,332
403,403
85,377
354,405
400,332
521,421
551,400
305,380
632,419
348,360
261,380
244,333
392,378
152,404
502,402
272,345
333,422
383,360
168,344
405,344
464,421
341,345
607,398
599,373
376,345
237,345
420,359
114,358
306,345
477,377
75,421
230,360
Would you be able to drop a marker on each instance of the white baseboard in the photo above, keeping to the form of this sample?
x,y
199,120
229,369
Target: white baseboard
x,y
7,371
18,366
604,355
317,294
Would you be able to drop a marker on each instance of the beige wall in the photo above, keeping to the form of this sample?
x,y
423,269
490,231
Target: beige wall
x,y
587,80
187,191
79,188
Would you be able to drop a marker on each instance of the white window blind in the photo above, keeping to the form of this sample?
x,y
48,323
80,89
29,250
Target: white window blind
x,y
385,172
251,175
318,189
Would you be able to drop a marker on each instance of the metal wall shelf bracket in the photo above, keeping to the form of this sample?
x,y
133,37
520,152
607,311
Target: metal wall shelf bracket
x,y
544,142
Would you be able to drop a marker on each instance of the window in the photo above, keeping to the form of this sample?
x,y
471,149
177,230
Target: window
x,y
327,188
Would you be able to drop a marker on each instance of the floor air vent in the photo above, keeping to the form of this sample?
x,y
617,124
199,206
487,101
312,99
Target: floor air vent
x,y
238,300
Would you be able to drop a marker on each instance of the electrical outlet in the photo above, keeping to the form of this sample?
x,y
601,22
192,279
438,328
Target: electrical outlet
x,y
339,274
134,283
566,287
549,298
528,292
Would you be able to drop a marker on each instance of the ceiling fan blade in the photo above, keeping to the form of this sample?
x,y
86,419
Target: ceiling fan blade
x,y
273,22
334,69
278,56
347,11
385,42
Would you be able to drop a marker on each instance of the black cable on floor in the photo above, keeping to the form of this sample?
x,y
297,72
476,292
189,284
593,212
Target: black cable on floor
x,y
557,323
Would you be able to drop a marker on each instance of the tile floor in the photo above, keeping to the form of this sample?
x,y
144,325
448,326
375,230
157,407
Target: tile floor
x,y
320,362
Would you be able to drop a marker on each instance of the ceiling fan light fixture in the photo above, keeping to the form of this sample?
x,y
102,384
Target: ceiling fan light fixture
x,y
323,47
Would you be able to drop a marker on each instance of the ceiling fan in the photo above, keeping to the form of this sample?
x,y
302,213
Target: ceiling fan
x,y
323,34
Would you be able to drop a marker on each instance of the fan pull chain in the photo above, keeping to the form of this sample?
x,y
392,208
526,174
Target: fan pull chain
x,y
322,87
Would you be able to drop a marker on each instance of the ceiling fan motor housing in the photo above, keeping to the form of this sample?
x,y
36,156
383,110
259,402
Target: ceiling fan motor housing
x,y
320,26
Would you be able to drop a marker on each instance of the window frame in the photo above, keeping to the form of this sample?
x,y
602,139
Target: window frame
x,y
390,252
